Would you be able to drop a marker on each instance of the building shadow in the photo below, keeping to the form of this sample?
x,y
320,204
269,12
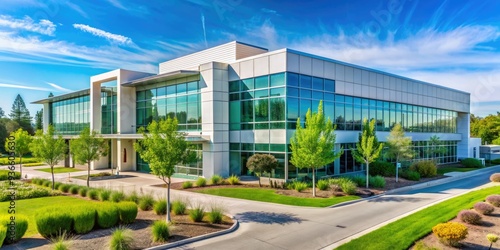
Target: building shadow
x,y
268,218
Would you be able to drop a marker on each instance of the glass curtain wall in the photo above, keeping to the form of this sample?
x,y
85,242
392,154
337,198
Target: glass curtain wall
x,y
108,110
195,168
240,152
70,116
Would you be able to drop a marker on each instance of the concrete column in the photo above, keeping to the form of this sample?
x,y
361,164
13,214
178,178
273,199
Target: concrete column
x,y
463,128
46,116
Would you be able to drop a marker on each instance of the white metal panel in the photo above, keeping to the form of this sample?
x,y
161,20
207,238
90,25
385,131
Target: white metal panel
x,y
261,66
277,63
330,70
292,62
318,68
305,65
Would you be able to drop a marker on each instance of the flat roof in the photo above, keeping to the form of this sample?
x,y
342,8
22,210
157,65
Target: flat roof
x,y
63,97
161,78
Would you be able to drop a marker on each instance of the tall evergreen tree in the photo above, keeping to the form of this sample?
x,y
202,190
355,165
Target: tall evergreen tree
x,y
20,114
2,113
51,95
39,120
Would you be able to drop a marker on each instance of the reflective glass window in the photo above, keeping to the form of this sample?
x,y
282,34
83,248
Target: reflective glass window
x,y
292,91
305,81
261,82
292,79
277,80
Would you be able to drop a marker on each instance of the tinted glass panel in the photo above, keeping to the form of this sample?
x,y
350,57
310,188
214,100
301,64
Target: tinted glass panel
x,y
261,82
277,80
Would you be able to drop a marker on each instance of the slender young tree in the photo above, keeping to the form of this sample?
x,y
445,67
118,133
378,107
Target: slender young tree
x,y
435,147
163,147
88,147
260,163
22,146
398,146
313,146
49,148
367,148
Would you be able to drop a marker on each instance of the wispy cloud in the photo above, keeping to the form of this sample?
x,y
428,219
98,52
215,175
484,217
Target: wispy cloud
x,y
17,86
77,9
57,87
204,30
43,26
104,34
117,4
269,11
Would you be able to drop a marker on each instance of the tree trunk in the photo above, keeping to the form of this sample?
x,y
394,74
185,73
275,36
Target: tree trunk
x,y
88,174
367,173
259,178
52,171
314,182
21,166
168,200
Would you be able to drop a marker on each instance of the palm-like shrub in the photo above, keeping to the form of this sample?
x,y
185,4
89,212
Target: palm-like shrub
x,y
215,214
216,179
484,208
469,216
197,213
450,233
61,242
233,180
323,184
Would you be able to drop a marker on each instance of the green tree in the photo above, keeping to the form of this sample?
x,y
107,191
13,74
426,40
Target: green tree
x,y
163,147
435,147
88,147
39,120
2,113
260,163
21,146
20,114
313,146
49,148
398,146
487,128
367,148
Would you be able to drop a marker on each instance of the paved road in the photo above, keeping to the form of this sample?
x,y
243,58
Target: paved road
x,y
284,227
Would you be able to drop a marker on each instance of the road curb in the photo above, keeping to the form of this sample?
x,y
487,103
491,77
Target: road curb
x,y
233,228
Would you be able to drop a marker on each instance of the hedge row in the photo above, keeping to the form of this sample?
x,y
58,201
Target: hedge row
x,y
4,175
6,161
52,221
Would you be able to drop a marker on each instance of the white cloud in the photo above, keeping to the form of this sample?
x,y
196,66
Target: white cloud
x,y
17,86
57,87
43,26
77,9
101,33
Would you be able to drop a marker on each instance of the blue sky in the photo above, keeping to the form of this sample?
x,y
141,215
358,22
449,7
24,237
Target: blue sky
x,y
56,45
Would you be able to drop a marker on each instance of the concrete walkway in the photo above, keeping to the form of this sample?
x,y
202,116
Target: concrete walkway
x,y
274,226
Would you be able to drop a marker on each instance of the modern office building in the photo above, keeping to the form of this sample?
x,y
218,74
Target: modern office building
x,y
237,99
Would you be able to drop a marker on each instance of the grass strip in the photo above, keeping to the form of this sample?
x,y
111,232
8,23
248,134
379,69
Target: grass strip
x,y
401,234
269,195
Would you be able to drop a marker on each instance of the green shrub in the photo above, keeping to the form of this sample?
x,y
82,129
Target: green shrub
x,y
323,184
420,245
4,175
46,183
160,231
117,196
93,194
3,233
196,214
472,163
83,218
52,222
61,242
107,215
82,191
35,164
201,182
187,184
233,180
146,202
496,161
121,239
6,161
160,207
216,214
382,168
57,185
343,184
74,189
20,228
64,188
425,168
410,175
358,179
134,197
216,179
36,181
300,186
128,211
179,207
377,181
104,194
450,233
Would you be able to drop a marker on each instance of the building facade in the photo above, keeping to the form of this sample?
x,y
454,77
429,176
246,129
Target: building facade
x,y
235,100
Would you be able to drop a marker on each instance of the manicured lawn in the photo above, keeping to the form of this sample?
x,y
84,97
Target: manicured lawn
x,y
445,170
402,233
268,195
29,207
58,170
